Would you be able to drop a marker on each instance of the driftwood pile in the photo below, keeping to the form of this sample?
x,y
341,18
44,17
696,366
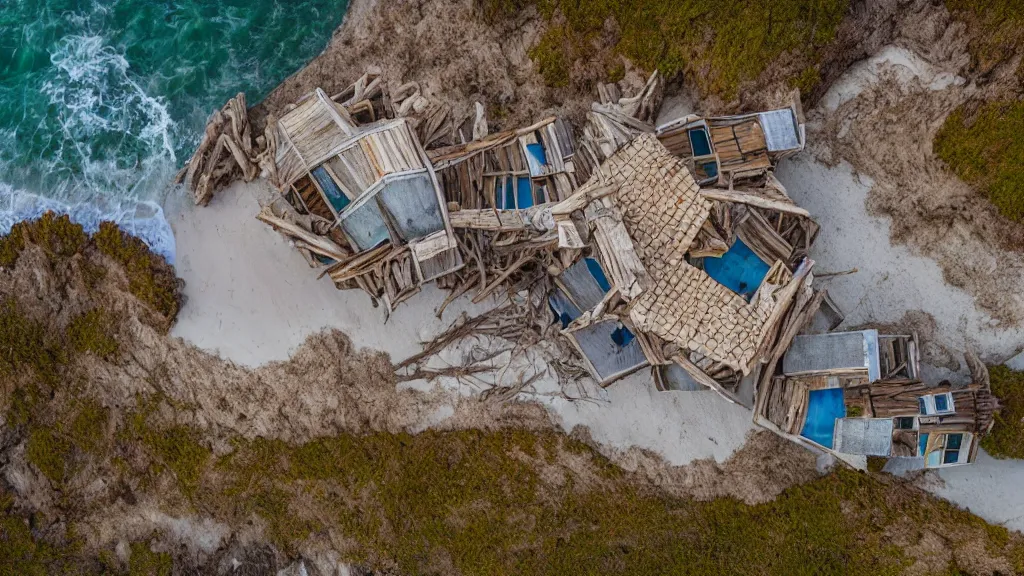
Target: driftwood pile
x,y
225,151
229,151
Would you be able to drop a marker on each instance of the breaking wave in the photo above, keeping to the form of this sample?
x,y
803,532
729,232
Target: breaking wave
x,y
101,101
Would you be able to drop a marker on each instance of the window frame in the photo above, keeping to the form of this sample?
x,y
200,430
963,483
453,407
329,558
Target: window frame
x,y
927,405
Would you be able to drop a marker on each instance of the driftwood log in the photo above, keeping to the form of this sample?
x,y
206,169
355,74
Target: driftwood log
x,y
225,150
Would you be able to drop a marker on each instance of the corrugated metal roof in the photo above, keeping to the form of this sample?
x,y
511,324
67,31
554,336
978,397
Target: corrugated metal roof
x,y
835,351
864,436
780,130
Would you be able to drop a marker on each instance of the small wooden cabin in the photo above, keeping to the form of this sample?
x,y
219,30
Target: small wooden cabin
x,y
724,150
859,393
510,170
371,195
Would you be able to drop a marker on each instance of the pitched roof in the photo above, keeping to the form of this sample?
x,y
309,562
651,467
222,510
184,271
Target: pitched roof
x,y
661,204
686,306
663,210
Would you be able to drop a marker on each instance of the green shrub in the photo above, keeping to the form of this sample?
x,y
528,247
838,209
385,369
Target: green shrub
x,y
477,499
144,562
11,245
1007,437
58,235
717,43
985,149
876,463
177,448
93,332
88,429
48,451
27,346
150,278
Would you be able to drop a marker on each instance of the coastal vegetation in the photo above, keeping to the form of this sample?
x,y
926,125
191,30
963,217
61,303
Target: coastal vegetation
x,y
500,501
716,45
981,141
1007,437
982,145
150,278
996,27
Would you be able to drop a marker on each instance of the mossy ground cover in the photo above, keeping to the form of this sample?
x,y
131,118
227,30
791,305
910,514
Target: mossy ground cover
x,y
150,278
996,29
985,148
473,502
1007,437
467,502
717,44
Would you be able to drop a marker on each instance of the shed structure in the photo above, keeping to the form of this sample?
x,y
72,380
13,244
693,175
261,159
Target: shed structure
x,y
860,394
362,200
725,150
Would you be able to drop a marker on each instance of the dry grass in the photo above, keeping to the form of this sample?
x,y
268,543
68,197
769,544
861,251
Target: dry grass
x,y
1007,437
717,44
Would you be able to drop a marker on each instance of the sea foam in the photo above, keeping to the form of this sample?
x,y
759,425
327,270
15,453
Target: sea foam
x,y
144,220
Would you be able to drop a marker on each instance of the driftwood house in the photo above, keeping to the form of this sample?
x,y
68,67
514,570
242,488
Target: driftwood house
x,y
725,150
372,210
860,393
666,278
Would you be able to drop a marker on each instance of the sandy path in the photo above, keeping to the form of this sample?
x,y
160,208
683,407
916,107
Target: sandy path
x,y
253,300
891,280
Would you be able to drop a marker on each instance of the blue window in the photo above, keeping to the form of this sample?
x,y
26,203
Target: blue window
x,y
334,194
941,403
563,308
824,407
711,169
739,269
622,336
951,457
595,270
922,444
536,158
506,192
524,193
953,441
922,406
699,142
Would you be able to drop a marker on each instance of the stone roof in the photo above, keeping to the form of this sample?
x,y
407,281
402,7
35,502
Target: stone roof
x,y
661,204
686,306
663,210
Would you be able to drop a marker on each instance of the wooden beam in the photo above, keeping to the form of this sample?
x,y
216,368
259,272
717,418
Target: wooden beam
x,y
753,200
319,244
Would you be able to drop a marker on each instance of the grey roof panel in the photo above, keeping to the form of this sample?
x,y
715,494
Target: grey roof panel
x,y
609,358
864,436
780,130
835,351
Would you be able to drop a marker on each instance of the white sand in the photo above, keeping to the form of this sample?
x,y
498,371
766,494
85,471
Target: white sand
x,y
891,280
252,299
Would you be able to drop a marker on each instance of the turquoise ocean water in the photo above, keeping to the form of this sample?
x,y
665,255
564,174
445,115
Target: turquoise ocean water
x,y
102,101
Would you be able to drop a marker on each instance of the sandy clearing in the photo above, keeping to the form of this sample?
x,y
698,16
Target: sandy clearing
x,y
891,280
252,299
990,488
